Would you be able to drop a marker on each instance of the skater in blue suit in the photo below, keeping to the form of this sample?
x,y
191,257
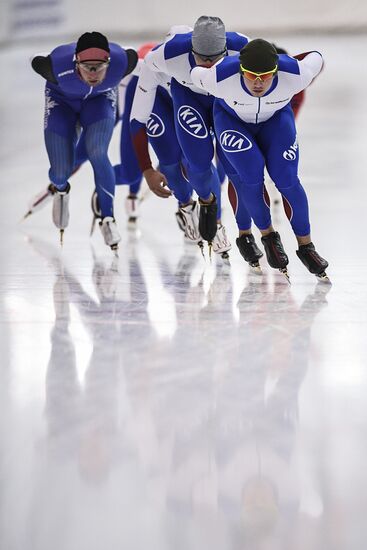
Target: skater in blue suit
x,y
193,107
254,124
81,91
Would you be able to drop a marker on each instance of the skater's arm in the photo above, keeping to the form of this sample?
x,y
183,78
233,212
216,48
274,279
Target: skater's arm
x,y
205,78
155,59
132,60
310,64
43,66
297,102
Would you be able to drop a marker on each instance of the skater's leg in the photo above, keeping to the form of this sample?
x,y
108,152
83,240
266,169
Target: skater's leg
x,y
98,120
128,171
193,119
282,156
247,160
60,139
162,137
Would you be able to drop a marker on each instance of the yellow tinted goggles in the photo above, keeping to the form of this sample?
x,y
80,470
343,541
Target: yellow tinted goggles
x,y
250,75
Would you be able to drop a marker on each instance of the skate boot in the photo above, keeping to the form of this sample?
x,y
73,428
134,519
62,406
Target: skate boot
x,y
180,220
221,244
110,232
97,215
275,254
40,200
250,251
188,219
60,209
313,261
208,220
132,208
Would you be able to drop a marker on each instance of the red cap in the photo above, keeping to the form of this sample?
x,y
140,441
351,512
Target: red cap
x,y
93,54
145,48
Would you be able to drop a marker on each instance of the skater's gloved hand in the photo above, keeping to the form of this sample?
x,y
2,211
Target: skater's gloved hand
x,y
157,182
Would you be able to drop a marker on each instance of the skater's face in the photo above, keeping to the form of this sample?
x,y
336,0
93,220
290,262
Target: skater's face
x,y
258,83
92,72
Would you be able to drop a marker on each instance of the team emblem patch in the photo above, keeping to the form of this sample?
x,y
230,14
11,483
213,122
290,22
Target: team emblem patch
x,y
291,153
233,141
192,122
155,126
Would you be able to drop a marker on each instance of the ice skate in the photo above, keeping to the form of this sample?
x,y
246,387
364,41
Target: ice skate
x,y
275,254
132,208
221,244
250,252
40,200
97,215
208,220
187,218
60,209
180,220
110,232
313,261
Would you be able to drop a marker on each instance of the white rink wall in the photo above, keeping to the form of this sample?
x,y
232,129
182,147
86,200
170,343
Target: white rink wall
x,y
31,19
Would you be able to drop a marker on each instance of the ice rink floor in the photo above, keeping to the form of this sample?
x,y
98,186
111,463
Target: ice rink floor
x,y
159,401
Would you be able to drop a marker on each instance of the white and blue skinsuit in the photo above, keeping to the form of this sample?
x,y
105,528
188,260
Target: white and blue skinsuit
x,y
71,102
193,109
255,132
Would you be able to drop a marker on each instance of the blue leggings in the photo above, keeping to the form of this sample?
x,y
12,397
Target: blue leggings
x,y
243,218
97,118
193,121
251,147
161,134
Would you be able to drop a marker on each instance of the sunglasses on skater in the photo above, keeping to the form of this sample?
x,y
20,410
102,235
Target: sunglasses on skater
x,y
209,57
93,66
250,75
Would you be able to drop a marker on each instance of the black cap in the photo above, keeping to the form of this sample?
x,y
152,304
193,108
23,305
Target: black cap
x,y
92,40
259,56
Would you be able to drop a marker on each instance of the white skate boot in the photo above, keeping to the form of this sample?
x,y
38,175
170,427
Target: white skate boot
x,y
132,208
189,221
110,232
97,215
60,210
221,244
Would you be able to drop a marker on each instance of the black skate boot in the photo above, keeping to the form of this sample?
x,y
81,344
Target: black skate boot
x,y
250,251
208,220
275,254
313,261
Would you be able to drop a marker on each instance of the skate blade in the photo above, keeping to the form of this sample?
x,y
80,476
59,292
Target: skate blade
x,y
201,246
62,237
225,258
115,249
284,271
29,213
210,247
92,227
255,268
323,278
132,224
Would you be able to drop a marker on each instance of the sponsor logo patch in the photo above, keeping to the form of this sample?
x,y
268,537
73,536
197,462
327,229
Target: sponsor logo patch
x,y
155,126
233,141
291,153
192,122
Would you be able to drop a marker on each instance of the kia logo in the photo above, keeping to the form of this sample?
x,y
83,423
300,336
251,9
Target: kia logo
x,y
155,126
192,122
234,142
